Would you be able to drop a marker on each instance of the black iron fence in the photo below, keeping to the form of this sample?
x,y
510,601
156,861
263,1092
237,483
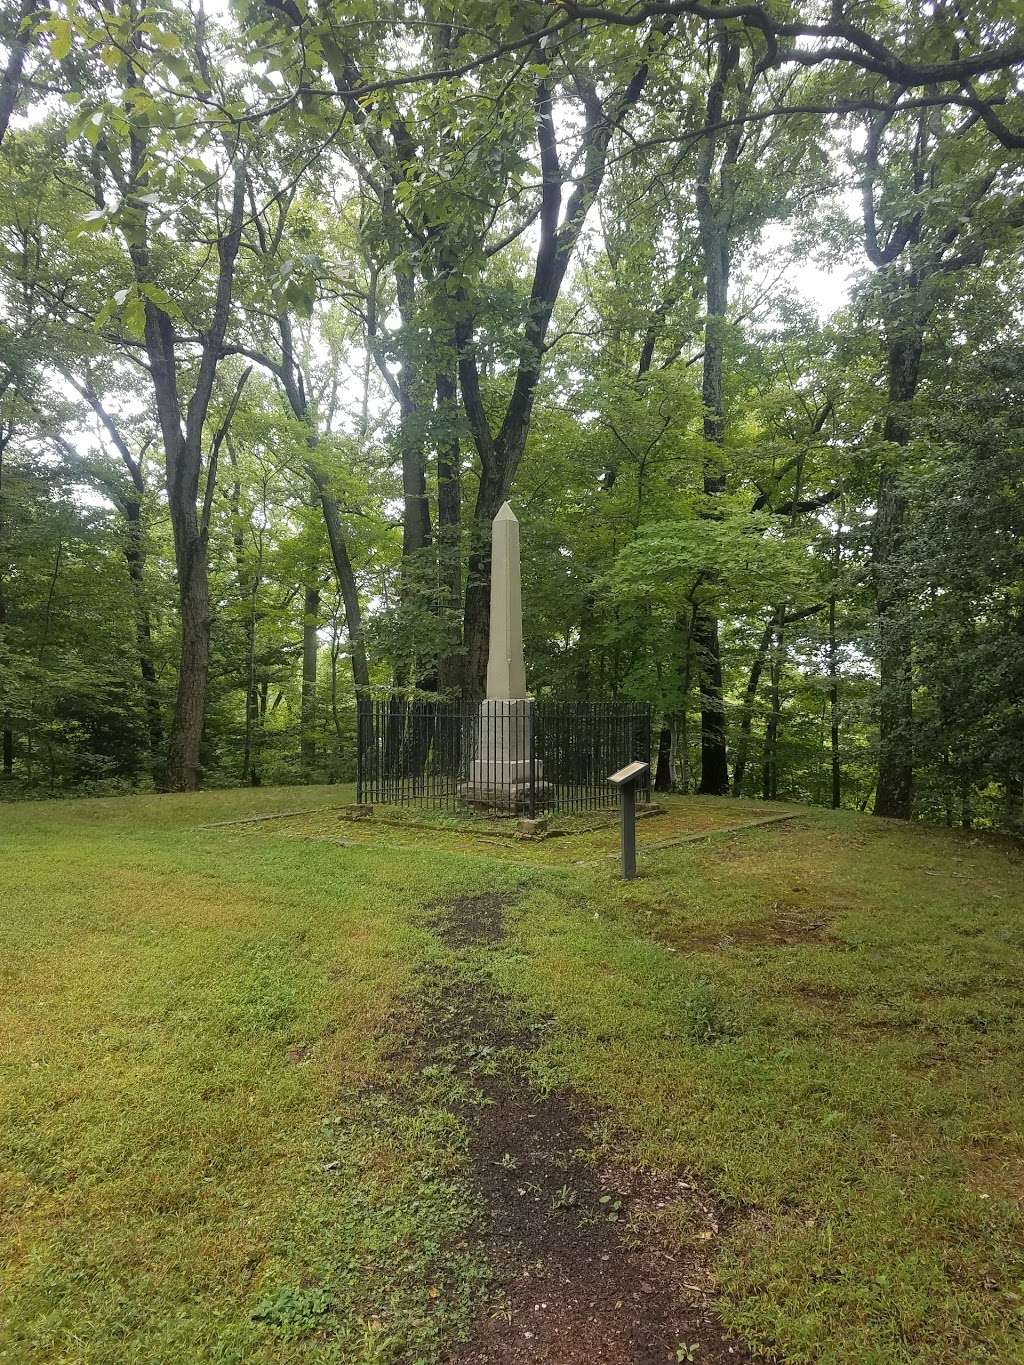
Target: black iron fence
x,y
521,757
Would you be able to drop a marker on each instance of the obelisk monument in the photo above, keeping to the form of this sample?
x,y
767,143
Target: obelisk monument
x,y
501,774
506,668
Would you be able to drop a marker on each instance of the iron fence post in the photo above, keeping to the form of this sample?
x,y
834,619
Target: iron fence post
x,y
531,730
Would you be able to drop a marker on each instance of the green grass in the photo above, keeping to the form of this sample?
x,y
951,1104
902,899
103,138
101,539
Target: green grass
x,y
189,1166
202,1156
575,838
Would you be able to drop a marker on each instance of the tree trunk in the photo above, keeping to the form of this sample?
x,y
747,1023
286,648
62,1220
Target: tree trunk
x,y
353,611
7,734
449,525
894,791
415,505
714,770
135,558
663,769
560,225
184,769
346,582
290,375
10,81
747,715
714,205
833,704
250,761
181,427
310,649
770,782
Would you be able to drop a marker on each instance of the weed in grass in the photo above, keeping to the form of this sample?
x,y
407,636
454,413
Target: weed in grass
x,y
292,1311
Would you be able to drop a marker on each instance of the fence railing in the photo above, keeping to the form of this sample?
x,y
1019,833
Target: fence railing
x,y
518,756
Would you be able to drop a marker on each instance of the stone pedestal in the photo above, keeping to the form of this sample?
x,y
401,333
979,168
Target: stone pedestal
x,y
500,773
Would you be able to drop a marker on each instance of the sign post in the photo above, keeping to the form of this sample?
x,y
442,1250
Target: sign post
x,y
627,780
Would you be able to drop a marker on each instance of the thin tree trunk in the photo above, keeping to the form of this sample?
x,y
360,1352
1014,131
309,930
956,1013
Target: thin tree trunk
x,y
7,734
290,375
335,650
833,704
310,649
747,714
346,582
135,558
770,782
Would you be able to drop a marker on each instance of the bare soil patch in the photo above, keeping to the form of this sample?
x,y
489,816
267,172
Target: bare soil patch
x,y
474,919
590,1260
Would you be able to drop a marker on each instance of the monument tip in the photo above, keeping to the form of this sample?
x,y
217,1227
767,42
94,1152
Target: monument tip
x,y
505,513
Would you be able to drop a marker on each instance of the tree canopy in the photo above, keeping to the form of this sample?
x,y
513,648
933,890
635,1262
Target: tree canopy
x,y
725,297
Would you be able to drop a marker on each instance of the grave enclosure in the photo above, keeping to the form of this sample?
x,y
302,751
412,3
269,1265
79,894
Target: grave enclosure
x,y
510,753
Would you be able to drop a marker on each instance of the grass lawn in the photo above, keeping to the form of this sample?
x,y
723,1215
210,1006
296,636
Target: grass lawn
x,y
214,1148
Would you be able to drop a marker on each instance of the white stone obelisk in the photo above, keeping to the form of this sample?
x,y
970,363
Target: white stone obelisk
x,y
506,668
501,772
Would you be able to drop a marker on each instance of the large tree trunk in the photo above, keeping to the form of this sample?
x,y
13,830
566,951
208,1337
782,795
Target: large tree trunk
x,y
181,427
714,768
415,504
184,769
449,524
714,213
560,226
894,791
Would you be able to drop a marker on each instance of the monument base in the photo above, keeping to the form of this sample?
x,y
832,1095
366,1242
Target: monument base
x,y
512,798
502,776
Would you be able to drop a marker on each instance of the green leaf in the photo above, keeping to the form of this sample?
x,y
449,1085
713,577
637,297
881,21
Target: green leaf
x,y
60,43
135,318
93,126
170,42
162,300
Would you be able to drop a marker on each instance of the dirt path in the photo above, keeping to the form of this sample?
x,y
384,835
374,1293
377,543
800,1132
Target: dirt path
x,y
585,1268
